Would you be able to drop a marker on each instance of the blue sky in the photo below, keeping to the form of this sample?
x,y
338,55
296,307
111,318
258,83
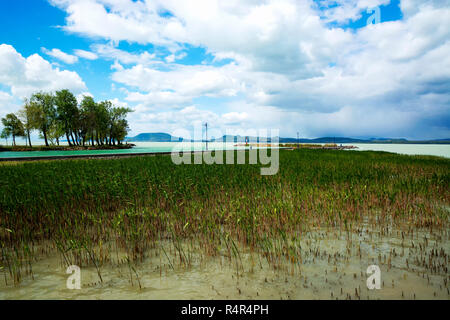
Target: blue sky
x,y
309,66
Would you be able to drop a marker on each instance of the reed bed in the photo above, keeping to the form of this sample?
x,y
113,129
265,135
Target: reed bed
x,y
108,212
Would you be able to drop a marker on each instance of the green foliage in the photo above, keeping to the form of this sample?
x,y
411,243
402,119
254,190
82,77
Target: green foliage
x,y
43,112
12,127
132,203
57,115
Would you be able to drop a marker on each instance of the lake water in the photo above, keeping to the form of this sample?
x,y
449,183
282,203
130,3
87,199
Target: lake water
x,y
441,150
141,147
150,147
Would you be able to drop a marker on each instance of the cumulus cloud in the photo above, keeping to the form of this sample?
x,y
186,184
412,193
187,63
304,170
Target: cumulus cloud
x,y
288,62
179,85
58,54
119,20
25,76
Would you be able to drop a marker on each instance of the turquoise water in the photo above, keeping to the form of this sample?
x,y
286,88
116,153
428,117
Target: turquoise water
x,y
440,150
141,147
150,147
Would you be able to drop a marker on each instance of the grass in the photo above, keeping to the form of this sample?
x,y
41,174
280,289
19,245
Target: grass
x,y
89,210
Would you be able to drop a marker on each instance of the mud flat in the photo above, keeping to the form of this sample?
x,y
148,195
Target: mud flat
x,y
324,264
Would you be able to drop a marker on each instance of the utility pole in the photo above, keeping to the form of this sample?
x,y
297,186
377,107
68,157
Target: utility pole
x,y
298,139
206,126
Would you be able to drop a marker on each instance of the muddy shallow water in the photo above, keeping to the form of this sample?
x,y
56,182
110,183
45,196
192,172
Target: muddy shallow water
x,y
324,265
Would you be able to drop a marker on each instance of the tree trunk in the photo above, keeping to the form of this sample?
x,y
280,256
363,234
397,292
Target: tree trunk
x,y
68,139
74,143
14,140
45,137
29,139
77,138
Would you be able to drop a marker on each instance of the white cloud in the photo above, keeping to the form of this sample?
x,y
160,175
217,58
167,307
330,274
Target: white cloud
x,y
6,103
111,53
86,54
180,85
411,7
234,117
171,58
58,54
119,20
159,98
342,11
5,97
25,76
81,96
287,60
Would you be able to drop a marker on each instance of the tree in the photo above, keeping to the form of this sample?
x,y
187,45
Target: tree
x,y
88,114
118,126
44,112
67,109
58,115
103,113
55,132
6,133
13,126
121,130
27,115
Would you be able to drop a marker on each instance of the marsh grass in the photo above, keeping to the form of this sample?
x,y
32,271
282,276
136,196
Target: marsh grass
x,y
90,210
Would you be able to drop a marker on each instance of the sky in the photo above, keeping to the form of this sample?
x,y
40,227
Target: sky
x,y
354,68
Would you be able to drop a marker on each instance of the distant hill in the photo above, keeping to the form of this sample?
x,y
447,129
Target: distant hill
x,y
153,137
165,137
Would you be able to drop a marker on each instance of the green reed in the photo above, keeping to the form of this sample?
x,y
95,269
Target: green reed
x,y
88,210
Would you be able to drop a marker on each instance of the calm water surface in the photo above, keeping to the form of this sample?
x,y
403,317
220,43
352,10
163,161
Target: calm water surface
x,y
441,150
150,147
141,147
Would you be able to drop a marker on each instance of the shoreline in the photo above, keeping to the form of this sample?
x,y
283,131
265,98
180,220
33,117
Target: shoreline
x,y
64,148
292,146
148,150
84,156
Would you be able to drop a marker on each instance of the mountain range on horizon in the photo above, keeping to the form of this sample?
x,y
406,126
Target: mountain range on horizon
x,y
165,137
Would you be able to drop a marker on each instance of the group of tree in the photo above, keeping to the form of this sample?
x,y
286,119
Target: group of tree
x,y
59,115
